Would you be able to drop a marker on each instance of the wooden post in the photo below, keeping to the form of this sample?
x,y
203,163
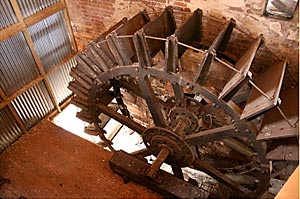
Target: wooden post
x,y
70,30
34,52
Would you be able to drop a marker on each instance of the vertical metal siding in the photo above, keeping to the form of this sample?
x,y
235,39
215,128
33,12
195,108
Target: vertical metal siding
x,y
17,65
30,7
7,15
60,79
51,40
10,130
33,105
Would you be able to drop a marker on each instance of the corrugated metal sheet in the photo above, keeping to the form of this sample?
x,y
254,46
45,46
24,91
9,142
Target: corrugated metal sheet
x,y
33,105
30,7
60,79
10,130
7,15
17,66
51,40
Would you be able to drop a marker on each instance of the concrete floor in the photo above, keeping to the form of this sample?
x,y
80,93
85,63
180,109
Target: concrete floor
x,y
49,162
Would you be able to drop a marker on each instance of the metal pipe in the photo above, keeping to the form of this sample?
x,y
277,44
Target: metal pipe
x,y
191,47
259,90
155,38
227,65
285,117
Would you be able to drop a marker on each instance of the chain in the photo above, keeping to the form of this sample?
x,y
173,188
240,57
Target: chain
x,y
119,99
242,169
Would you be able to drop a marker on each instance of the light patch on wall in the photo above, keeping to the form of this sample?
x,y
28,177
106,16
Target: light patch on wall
x,y
276,27
124,9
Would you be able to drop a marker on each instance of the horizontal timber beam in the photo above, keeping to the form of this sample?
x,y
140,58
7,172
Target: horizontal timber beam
x,y
29,21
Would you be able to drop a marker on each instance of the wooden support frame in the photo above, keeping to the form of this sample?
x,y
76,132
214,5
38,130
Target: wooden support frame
x,y
69,26
29,21
21,26
11,30
7,100
23,23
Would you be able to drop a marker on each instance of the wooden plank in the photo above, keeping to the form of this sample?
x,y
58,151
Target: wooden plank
x,y
243,66
270,83
162,27
11,30
43,14
288,152
190,31
123,48
17,10
112,28
15,28
219,43
274,126
69,26
291,187
52,96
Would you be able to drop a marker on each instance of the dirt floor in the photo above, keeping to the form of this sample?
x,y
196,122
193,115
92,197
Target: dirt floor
x,y
49,162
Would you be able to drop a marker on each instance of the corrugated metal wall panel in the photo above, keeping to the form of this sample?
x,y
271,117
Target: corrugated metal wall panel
x,y
33,105
30,7
17,66
51,40
60,79
7,15
10,130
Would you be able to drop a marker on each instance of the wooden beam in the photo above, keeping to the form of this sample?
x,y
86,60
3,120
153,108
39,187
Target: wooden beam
x,y
41,69
11,30
69,26
291,187
27,35
17,10
52,96
65,60
43,14
29,21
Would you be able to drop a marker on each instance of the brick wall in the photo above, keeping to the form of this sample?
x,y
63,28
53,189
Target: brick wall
x,y
92,17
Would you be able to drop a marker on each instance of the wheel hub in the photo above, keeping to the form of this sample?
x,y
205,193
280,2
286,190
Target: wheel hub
x,y
157,139
188,111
